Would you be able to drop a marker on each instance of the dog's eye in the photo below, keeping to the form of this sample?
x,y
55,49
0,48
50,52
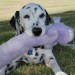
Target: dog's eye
x,y
26,16
42,15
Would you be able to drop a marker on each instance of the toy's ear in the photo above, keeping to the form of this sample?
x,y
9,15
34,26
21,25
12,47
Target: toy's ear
x,y
48,18
14,19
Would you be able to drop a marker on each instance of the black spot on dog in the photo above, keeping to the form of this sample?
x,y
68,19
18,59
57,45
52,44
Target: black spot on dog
x,y
36,54
43,62
6,72
20,59
35,10
18,22
41,57
42,15
40,7
27,7
26,59
35,58
51,58
48,19
42,47
8,65
23,7
26,16
12,22
15,19
21,31
17,15
37,47
10,68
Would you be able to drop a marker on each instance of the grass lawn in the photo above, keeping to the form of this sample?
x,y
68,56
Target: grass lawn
x,y
65,55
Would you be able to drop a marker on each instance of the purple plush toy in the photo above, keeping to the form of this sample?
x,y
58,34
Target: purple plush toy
x,y
65,33
15,47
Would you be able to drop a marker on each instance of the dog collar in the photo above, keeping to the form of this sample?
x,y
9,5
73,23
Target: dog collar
x,y
30,52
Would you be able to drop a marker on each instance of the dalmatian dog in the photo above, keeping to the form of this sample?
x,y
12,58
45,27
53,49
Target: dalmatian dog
x,y
33,19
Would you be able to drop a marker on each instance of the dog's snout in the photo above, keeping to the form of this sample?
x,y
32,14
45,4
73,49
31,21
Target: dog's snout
x,y
37,31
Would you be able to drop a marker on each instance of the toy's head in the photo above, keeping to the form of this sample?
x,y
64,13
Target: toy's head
x,y
65,33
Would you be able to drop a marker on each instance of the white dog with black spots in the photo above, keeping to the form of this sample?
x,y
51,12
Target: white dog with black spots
x,y
33,19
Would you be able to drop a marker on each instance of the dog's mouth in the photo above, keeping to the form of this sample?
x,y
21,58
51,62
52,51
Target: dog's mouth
x,y
37,31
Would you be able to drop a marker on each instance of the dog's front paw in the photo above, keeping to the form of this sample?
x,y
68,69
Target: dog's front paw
x,y
61,73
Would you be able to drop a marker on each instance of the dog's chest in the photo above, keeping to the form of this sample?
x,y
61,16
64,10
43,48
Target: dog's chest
x,y
33,56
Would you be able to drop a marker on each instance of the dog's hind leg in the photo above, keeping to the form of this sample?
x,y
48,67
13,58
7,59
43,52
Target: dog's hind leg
x,y
51,62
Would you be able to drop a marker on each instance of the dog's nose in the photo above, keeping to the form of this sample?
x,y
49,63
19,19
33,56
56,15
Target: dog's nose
x,y
37,31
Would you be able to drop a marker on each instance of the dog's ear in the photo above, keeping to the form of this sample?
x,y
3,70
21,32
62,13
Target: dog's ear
x,y
17,15
48,18
14,19
12,22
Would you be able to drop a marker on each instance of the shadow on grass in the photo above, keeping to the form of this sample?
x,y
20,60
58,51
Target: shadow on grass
x,y
64,55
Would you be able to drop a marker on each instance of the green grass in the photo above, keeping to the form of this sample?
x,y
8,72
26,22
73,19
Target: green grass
x,y
65,55
6,31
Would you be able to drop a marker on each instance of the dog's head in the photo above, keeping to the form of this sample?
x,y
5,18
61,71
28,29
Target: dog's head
x,y
31,19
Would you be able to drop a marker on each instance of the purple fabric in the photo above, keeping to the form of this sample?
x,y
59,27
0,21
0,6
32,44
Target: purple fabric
x,y
65,33
18,45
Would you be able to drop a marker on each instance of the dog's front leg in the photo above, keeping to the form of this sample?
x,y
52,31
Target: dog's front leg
x,y
51,62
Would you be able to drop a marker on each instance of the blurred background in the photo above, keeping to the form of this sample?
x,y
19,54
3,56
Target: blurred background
x,y
8,7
